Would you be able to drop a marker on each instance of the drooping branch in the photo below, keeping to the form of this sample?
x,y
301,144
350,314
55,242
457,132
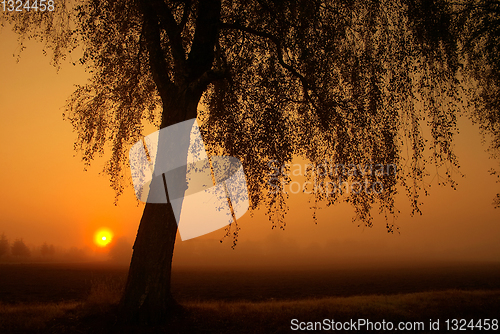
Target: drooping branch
x,y
308,89
279,49
185,15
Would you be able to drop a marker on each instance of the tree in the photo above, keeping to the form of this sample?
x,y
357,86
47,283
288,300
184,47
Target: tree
x,y
4,245
354,83
20,249
47,250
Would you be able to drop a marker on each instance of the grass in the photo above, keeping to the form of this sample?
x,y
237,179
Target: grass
x,y
96,312
31,317
105,291
275,316
95,315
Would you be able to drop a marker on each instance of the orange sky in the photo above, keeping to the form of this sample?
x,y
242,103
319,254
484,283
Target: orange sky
x,y
47,197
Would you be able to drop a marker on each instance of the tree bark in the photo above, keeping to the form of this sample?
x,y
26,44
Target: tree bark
x,y
147,297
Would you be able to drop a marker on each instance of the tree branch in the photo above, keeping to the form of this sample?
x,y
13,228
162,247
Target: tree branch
x,y
159,67
277,42
305,85
185,15
199,85
173,31
205,38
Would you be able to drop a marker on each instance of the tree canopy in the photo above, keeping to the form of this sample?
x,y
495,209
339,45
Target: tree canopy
x,y
355,83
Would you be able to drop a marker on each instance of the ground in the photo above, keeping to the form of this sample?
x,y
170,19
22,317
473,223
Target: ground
x,y
82,298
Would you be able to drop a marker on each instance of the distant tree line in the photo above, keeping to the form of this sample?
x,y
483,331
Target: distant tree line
x,y
4,246
119,251
19,249
47,250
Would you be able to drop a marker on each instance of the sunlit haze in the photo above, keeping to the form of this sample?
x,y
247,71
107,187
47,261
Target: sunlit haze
x,y
103,237
48,197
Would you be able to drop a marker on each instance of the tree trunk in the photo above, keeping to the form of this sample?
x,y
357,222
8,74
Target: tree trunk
x,y
147,297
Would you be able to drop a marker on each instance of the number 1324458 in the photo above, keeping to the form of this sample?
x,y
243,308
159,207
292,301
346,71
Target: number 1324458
x,y
27,5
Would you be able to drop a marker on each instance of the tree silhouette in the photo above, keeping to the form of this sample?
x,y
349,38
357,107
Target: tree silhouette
x,y
4,245
480,24
350,83
47,250
20,249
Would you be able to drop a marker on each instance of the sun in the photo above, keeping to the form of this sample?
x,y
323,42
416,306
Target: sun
x,y
103,237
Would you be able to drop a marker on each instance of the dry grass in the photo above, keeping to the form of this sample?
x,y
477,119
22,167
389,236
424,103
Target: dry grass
x,y
34,317
402,305
31,317
105,291
275,316
95,315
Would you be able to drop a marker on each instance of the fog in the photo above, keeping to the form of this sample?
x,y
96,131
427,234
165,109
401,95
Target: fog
x,y
48,198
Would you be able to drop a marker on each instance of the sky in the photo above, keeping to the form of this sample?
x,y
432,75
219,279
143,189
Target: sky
x,y
48,197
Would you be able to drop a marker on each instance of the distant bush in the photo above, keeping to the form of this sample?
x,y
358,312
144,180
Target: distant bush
x,y
20,249
4,245
47,250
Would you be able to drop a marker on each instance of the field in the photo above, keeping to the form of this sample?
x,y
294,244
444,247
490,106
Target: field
x,y
82,298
